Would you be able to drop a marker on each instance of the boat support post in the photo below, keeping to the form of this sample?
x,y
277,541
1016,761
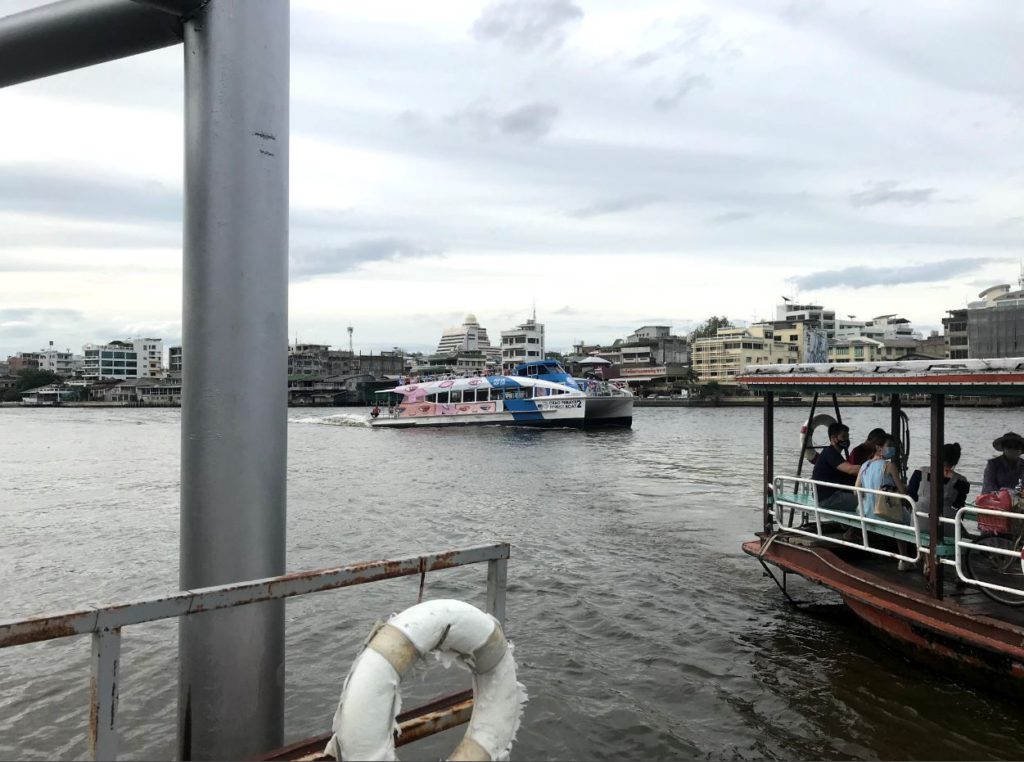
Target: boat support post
x,y
234,433
935,527
769,458
233,454
894,429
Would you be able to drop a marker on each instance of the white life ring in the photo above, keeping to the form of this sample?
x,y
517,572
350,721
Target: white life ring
x,y
364,723
810,453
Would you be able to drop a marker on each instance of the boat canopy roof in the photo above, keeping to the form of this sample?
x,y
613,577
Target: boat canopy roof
x,y
476,382
1003,377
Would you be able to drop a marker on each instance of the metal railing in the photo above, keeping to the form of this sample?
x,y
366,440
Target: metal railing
x,y
966,544
803,496
105,623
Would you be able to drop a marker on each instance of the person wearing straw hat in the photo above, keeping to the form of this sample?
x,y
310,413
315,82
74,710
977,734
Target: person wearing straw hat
x,y
1006,470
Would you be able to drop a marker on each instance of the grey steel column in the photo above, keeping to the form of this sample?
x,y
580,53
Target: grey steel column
x,y
234,445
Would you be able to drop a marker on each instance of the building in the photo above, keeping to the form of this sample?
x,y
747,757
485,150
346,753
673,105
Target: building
x,y
174,362
954,329
118,359
811,342
151,356
469,337
867,349
452,364
521,344
62,363
814,315
722,357
995,323
319,360
131,358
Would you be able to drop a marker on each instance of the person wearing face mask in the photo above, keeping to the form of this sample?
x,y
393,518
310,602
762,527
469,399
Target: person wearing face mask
x,y
879,473
831,467
1005,470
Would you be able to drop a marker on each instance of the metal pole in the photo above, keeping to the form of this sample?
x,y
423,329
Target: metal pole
x,y
769,457
234,446
71,34
938,435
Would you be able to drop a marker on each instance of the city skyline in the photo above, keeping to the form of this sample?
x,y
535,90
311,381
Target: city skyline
x,y
619,166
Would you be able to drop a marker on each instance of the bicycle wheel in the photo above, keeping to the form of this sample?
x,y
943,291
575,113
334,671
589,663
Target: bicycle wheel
x,y
996,569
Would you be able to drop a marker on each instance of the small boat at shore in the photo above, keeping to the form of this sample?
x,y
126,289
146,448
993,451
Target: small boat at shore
x,y
482,401
608,403
964,613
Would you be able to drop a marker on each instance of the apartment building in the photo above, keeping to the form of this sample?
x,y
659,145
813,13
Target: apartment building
x,y
724,356
521,344
995,323
954,329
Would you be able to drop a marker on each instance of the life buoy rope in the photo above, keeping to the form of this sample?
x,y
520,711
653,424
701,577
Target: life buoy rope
x,y
364,723
810,452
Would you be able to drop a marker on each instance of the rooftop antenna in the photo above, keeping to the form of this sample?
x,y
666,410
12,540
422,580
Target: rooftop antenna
x,y
350,340
1020,278
535,300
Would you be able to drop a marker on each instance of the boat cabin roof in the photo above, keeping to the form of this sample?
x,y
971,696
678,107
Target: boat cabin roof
x,y
477,382
1003,377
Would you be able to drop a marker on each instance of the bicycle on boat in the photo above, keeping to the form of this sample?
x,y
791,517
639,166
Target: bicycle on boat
x,y
995,558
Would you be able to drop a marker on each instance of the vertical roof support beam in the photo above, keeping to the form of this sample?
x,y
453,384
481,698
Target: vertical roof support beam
x,y
234,414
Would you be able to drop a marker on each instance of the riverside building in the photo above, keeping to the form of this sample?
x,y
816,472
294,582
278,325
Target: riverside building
x,y
131,358
723,356
468,337
521,344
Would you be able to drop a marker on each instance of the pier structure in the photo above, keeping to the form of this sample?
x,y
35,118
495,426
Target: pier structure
x,y
234,439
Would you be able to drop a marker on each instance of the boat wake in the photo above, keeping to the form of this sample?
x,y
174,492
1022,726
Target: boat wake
x,y
339,419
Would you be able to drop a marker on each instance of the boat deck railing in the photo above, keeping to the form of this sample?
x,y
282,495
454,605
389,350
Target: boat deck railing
x,y
794,493
105,623
791,494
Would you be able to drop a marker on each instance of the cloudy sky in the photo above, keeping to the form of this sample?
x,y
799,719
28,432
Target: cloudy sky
x,y
618,164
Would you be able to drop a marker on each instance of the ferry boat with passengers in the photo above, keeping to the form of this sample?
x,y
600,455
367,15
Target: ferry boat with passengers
x,y
966,611
608,403
481,401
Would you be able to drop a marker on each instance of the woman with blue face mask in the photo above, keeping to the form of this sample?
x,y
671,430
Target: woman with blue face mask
x,y
881,474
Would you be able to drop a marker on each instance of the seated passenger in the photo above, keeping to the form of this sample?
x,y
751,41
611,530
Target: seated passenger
x,y
881,474
1006,470
954,490
865,451
832,467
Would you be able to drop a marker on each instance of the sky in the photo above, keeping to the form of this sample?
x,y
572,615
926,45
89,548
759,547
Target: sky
x,y
610,164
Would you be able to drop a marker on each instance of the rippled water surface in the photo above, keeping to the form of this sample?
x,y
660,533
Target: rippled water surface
x,y
642,630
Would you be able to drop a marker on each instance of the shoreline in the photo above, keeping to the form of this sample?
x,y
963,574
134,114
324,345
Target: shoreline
x,y
752,402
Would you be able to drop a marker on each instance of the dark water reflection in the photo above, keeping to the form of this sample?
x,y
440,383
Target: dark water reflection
x,y
642,631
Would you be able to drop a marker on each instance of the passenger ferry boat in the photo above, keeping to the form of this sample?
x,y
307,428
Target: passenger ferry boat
x,y
483,401
608,404
966,613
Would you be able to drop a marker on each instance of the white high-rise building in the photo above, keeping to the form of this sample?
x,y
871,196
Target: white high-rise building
x,y
468,337
131,358
521,344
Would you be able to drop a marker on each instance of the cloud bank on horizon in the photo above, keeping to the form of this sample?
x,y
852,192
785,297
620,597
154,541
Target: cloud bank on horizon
x,y
610,163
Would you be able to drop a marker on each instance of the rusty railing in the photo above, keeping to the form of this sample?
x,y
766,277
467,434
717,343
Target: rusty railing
x,y
105,623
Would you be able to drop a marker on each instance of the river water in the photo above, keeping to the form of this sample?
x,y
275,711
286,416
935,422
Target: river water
x,y
641,629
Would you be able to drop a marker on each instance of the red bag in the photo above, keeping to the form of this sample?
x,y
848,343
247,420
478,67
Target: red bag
x,y
995,501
